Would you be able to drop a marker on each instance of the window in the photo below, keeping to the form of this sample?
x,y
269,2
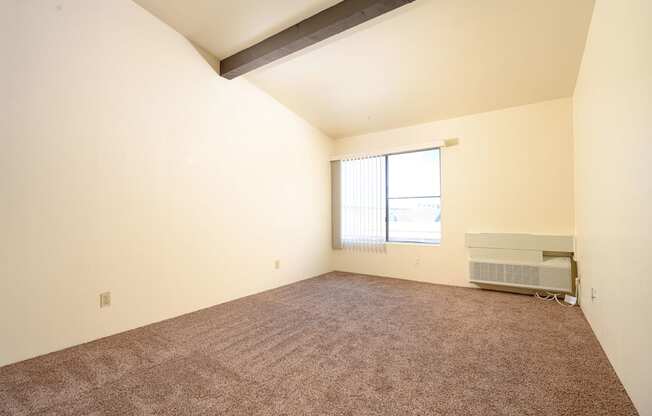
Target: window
x,y
388,198
414,197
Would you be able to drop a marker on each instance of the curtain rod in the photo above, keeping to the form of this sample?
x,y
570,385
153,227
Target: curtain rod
x,y
436,144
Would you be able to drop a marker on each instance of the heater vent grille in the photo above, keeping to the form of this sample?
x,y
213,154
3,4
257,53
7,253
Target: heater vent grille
x,y
554,274
505,273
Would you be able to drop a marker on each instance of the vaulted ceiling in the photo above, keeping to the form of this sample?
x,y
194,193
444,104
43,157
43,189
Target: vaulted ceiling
x,y
429,60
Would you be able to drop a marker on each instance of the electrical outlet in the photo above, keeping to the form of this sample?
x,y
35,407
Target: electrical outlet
x,y
105,299
594,294
277,264
417,261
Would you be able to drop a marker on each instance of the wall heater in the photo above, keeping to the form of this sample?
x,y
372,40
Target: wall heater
x,y
526,261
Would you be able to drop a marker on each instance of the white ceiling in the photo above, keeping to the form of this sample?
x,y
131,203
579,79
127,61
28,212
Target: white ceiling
x,y
430,60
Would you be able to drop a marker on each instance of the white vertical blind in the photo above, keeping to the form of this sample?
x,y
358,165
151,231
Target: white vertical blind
x,y
363,203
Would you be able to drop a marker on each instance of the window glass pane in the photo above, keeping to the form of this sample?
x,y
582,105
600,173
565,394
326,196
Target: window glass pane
x,y
414,174
414,220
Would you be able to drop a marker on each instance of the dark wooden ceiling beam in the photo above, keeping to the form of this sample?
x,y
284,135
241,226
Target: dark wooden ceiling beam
x,y
327,23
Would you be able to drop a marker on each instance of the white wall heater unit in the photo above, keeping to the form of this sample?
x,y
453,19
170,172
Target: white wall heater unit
x,y
525,261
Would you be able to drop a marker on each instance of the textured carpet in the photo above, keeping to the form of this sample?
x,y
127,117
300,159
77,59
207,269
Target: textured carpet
x,y
339,344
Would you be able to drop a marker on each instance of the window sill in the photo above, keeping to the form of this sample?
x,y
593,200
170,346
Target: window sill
x,y
412,243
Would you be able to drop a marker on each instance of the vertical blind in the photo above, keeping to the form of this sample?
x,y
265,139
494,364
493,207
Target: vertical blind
x,y
359,203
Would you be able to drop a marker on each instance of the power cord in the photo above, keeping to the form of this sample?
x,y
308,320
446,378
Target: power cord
x,y
550,297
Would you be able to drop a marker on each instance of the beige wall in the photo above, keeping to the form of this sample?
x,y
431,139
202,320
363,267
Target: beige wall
x,y
128,165
613,147
512,171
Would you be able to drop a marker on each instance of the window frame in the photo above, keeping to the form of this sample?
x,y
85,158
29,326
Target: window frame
x,y
387,197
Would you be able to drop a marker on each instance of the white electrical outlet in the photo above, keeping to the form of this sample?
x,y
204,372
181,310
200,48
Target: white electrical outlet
x,y
105,299
277,264
417,261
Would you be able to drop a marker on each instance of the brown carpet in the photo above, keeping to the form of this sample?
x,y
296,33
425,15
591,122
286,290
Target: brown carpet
x,y
339,344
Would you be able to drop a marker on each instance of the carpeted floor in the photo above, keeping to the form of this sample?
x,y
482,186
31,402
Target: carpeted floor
x,y
339,344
